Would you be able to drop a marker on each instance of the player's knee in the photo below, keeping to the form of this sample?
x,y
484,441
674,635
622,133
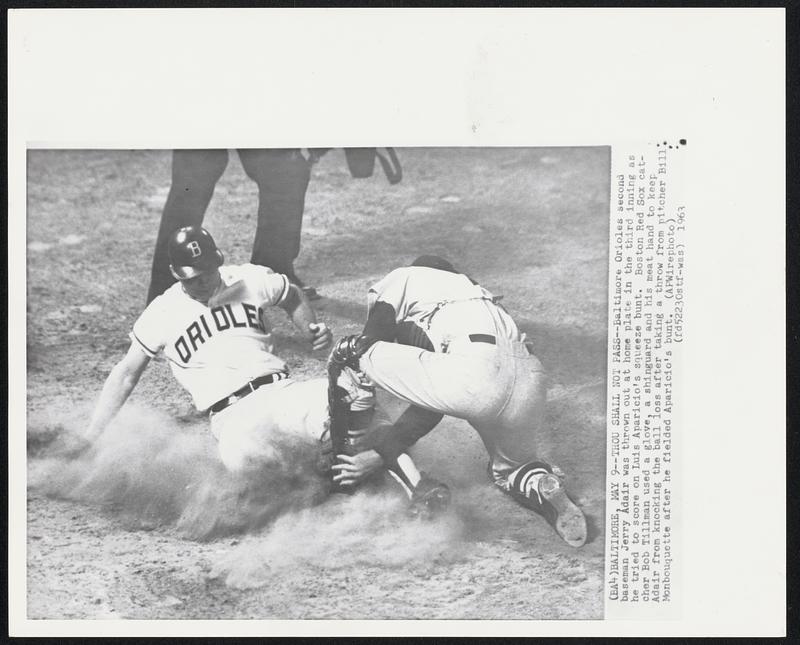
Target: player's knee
x,y
234,458
233,461
243,456
243,466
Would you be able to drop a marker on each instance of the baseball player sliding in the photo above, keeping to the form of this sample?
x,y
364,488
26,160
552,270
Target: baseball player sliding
x,y
457,352
211,327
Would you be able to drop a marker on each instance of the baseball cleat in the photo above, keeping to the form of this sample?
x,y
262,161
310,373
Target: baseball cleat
x,y
540,487
429,499
567,519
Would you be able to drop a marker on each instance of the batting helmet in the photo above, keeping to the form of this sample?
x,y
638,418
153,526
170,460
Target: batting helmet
x,y
192,251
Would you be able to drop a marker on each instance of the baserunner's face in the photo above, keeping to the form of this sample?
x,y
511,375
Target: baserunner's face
x,y
202,287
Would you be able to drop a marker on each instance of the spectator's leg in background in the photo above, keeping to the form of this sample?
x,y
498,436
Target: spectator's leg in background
x,y
194,175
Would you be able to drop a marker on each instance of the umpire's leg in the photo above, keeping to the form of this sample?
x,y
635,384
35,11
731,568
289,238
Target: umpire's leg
x,y
282,176
194,175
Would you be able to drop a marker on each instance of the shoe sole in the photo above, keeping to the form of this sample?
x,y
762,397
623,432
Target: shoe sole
x,y
570,522
433,506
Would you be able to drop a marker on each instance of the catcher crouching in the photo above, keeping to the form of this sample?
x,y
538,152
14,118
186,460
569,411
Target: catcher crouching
x,y
437,340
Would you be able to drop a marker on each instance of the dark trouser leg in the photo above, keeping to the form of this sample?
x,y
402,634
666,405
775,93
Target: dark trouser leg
x,y
194,175
282,176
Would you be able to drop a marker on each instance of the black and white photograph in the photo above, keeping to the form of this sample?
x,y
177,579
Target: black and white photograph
x,y
297,384
367,322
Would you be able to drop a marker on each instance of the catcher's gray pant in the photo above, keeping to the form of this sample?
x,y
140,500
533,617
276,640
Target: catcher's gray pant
x,y
499,389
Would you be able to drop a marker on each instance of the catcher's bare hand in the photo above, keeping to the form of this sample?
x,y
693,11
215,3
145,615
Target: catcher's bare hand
x,y
321,336
353,469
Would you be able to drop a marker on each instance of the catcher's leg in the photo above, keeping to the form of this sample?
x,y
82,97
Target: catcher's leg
x,y
540,487
514,466
460,385
428,496
536,485
350,410
511,435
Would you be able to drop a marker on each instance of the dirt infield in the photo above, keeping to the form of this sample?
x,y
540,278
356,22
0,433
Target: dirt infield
x,y
152,527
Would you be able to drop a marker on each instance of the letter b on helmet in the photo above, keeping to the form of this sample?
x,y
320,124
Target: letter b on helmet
x,y
192,251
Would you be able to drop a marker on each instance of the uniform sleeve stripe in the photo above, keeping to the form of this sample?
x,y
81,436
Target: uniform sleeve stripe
x,y
144,347
285,293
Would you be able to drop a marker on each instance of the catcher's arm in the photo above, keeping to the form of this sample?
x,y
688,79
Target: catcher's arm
x,y
387,448
412,425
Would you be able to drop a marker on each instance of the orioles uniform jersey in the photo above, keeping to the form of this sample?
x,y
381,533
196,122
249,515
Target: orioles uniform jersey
x,y
477,366
215,349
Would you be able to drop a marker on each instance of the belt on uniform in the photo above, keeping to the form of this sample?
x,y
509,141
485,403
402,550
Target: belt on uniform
x,y
242,392
492,340
473,338
483,338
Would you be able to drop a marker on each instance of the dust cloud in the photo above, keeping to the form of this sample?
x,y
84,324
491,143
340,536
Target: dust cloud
x,y
367,529
152,471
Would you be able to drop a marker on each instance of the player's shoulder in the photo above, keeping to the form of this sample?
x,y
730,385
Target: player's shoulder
x,y
260,280
173,293
249,269
441,276
400,274
426,276
248,272
162,307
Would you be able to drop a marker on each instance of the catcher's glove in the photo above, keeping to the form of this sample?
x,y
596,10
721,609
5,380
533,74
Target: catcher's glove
x,y
429,499
348,350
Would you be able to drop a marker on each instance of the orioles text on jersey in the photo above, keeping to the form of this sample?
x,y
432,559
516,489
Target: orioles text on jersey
x,y
218,320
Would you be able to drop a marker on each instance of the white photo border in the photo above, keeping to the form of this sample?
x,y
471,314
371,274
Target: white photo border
x,y
147,78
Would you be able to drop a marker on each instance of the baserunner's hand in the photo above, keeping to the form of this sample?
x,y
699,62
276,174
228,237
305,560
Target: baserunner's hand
x,y
321,336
